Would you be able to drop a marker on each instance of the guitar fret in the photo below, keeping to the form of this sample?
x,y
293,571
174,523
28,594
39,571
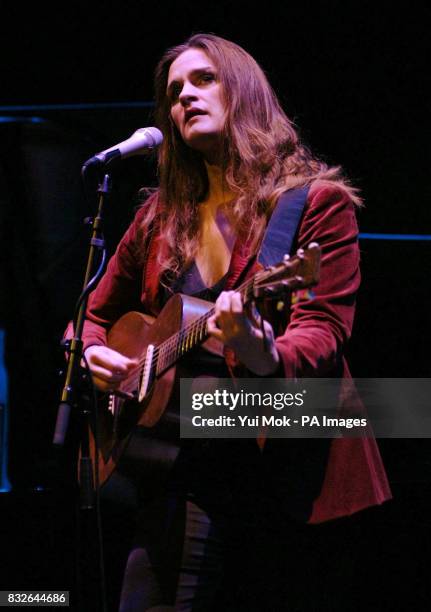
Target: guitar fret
x,y
169,353
161,360
204,328
172,352
184,340
180,343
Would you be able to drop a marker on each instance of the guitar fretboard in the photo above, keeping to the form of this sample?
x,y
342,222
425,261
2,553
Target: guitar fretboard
x,y
194,334
293,273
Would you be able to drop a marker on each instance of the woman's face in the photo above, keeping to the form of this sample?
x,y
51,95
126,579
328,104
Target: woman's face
x,y
197,105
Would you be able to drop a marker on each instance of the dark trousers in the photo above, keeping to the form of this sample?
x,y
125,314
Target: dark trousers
x,y
214,536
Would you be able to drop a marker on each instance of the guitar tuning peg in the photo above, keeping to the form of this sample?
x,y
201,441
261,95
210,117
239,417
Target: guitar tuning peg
x,y
286,258
280,306
300,253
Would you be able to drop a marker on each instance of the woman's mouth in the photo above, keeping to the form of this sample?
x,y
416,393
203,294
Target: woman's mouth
x,y
193,112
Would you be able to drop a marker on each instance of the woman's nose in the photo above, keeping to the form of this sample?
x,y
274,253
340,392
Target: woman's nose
x,y
188,94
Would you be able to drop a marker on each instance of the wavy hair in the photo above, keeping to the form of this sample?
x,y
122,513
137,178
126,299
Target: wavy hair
x,y
262,155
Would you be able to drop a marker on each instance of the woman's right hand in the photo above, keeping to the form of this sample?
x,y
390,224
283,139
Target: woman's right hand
x,y
109,368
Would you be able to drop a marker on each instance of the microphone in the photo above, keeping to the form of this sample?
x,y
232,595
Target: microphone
x,y
140,141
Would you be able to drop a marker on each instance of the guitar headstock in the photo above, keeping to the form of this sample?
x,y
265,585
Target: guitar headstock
x,y
298,272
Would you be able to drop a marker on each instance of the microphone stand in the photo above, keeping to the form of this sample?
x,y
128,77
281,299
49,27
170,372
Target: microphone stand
x,y
70,397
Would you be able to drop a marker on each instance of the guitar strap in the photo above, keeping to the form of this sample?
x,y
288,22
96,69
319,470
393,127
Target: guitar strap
x,y
283,226
280,232
279,238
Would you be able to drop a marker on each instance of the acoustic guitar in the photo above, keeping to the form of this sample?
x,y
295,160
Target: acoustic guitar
x,y
158,345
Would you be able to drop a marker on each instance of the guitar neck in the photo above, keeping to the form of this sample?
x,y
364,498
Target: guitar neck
x,y
298,272
193,335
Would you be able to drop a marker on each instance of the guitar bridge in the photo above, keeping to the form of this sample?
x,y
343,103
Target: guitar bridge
x,y
114,407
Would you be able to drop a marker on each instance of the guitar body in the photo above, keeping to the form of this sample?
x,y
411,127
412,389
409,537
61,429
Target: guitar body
x,y
133,335
145,399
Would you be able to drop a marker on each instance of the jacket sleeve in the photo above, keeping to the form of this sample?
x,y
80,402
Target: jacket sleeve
x,y
314,341
120,288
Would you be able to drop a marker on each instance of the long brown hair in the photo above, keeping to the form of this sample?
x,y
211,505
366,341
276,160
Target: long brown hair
x,y
262,154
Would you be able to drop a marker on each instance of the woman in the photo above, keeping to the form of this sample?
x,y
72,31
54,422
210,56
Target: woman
x,y
229,152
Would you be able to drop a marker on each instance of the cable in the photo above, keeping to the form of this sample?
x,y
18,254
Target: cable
x,y
89,287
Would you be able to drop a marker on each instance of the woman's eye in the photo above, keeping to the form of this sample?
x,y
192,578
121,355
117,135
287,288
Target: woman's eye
x,y
175,92
207,77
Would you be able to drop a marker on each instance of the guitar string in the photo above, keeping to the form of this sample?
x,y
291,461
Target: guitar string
x,y
174,347
179,341
182,341
175,343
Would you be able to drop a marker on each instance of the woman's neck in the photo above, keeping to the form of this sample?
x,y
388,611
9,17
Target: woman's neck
x,y
218,191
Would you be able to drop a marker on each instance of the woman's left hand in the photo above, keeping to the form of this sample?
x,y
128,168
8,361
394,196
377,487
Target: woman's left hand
x,y
231,326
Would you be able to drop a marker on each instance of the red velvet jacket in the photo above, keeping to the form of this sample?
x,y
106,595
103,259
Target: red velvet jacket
x,y
311,346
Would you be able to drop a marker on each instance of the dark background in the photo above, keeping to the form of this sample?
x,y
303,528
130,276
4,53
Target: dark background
x,y
354,78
